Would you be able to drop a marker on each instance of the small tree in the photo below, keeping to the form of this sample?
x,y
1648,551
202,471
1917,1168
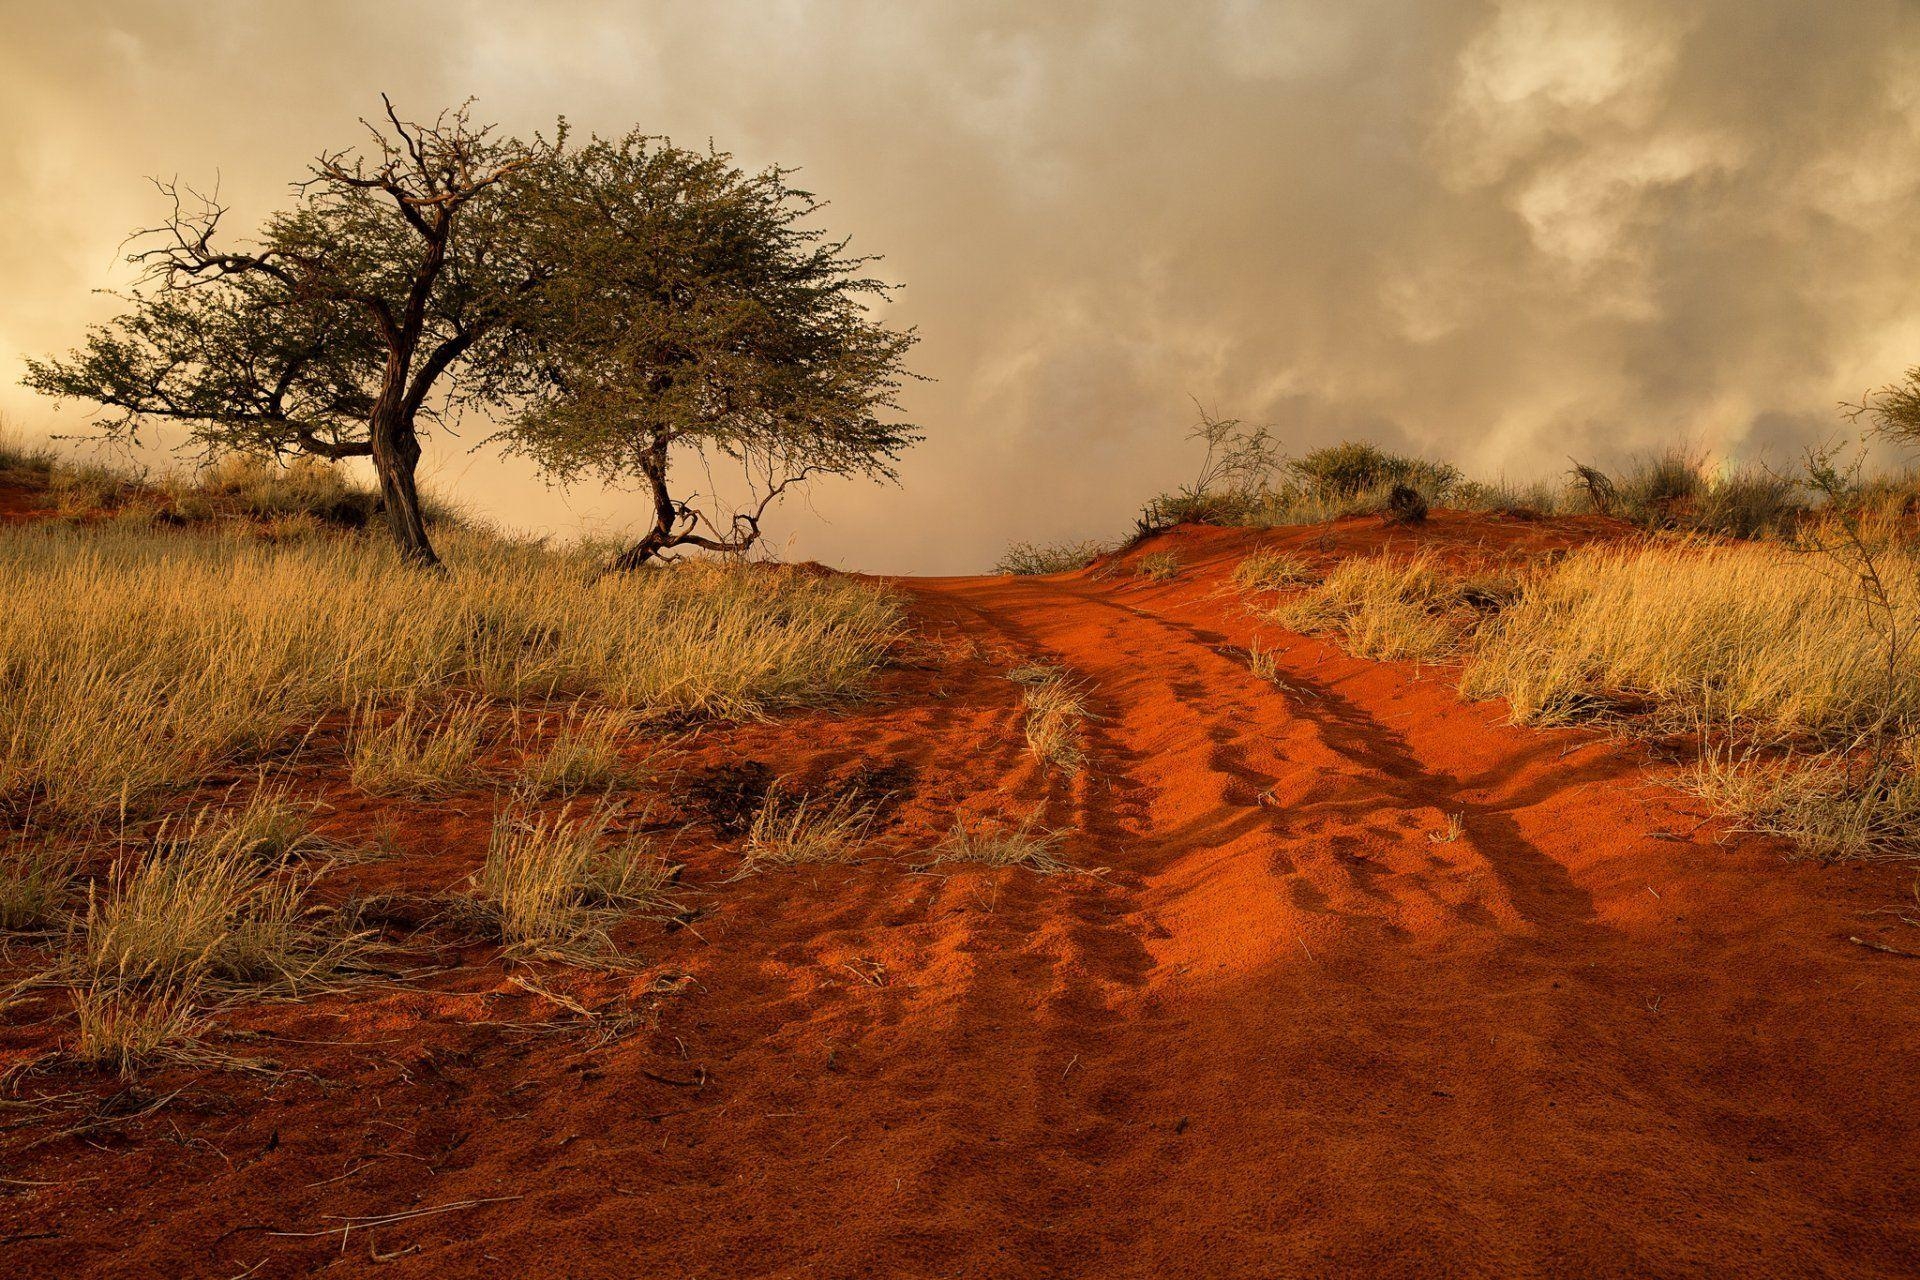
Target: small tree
x,y
355,317
694,314
1892,411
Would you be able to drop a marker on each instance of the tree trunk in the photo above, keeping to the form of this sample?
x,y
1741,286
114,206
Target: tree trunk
x,y
396,454
637,555
652,462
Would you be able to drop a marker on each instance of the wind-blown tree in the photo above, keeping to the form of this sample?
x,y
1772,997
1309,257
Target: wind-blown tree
x,y
359,315
695,316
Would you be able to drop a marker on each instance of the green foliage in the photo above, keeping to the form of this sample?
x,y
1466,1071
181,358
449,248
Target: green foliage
x,y
693,309
1351,468
357,315
1893,410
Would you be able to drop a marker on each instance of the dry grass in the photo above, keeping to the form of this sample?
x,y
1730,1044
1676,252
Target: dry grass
x,y
1385,608
1158,566
1272,571
1264,663
88,488
1021,846
790,830
418,750
202,905
22,462
36,880
271,825
556,884
133,663
1025,558
1754,645
585,753
1754,639
1830,804
122,1029
1056,713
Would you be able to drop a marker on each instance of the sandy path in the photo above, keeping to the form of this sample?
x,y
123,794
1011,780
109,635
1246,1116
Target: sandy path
x,y
1294,1029
1571,1039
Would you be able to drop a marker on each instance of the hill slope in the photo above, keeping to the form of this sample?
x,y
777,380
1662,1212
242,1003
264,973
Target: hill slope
x,y
1368,983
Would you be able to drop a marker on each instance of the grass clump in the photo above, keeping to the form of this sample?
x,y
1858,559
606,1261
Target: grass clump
x,y
1055,713
271,825
135,662
1021,846
786,831
1264,663
23,463
1028,558
35,882
583,755
1272,571
1353,468
1751,637
1830,804
1158,566
201,905
82,489
417,750
266,489
122,1029
1385,608
556,884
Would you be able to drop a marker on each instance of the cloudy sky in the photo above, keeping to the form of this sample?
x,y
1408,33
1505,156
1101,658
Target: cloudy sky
x,y
1494,232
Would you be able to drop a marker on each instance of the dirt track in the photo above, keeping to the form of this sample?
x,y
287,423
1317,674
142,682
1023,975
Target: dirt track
x,y
1293,1029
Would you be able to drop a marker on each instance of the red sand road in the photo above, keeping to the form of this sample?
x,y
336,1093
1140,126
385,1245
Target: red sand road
x,y
1293,1030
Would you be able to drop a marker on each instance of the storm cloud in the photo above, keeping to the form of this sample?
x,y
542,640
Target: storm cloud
x,y
1497,233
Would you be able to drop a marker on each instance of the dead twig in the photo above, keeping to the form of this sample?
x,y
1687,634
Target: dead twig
x,y
1871,945
364,1221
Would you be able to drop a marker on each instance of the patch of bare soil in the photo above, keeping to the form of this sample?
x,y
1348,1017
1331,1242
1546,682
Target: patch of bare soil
x,y
1367,983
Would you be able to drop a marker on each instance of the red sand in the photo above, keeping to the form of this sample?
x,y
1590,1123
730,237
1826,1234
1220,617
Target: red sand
x,y
22,503
1287,1033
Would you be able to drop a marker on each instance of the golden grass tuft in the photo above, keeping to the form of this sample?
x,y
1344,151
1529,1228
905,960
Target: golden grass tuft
x,y
36,880
790,830
1056,712
1264,662
1158,566
418,750
201,904
1385,608
1272,571
555,884
135,662
1021,846
270,825
583,755
1829,804
123,1029
1756,639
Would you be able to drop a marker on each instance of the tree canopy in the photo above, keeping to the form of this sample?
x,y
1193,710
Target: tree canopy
x,y
694,311
357,316
620,304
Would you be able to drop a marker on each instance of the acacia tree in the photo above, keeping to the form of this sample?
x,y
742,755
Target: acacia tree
x,y
354,318
694,314
1892,411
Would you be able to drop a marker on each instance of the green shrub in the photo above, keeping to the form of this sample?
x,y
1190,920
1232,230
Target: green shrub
x,y
1352,468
